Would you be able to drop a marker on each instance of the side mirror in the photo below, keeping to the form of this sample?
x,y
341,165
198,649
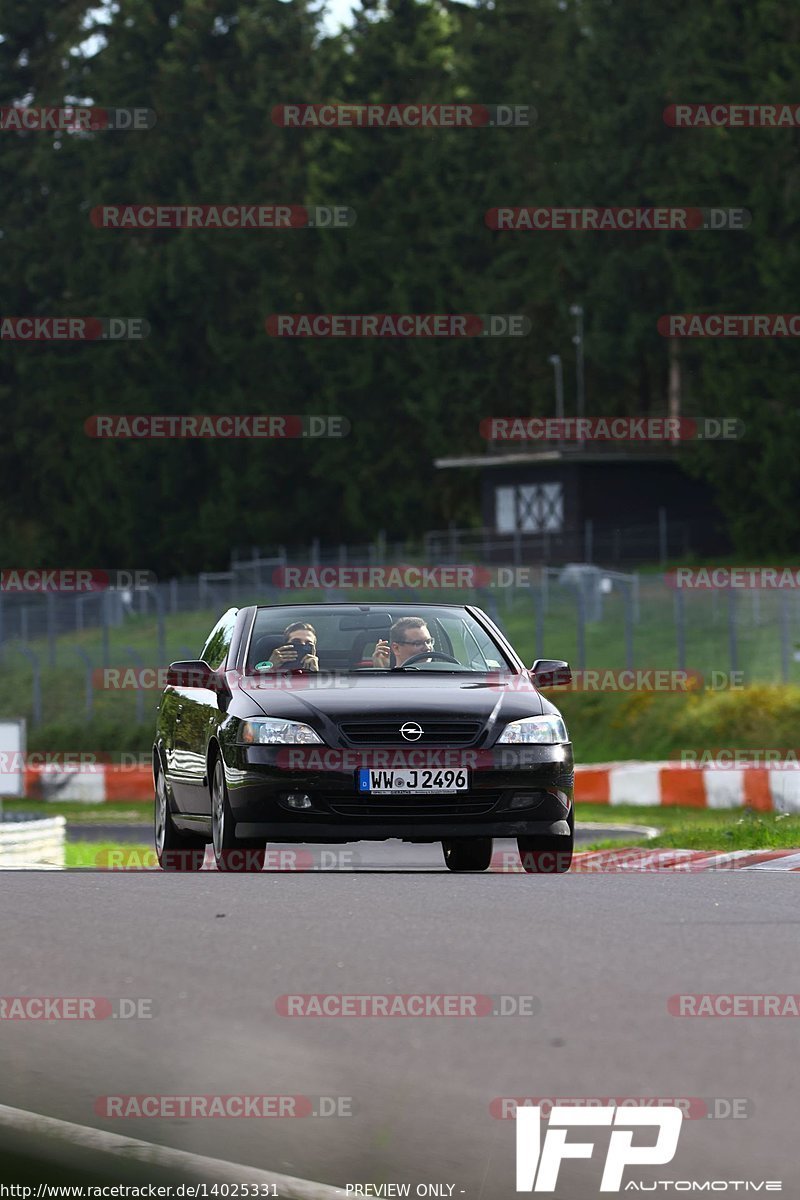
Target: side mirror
x,y
191,673
550,672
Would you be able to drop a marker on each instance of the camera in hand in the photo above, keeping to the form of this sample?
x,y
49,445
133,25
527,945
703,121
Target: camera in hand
x,y
302,648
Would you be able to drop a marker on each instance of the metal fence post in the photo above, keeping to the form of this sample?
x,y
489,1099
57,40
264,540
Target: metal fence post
x,y
50,604
105,630
161,652
89,690
629,627
538,608
732,640
36,690
680,628
581,614
137,661
637,616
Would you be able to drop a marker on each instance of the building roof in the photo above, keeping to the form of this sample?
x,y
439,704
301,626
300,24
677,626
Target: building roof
x,y
572,454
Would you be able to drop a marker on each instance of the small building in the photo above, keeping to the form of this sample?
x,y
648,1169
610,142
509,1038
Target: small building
x,y
568,504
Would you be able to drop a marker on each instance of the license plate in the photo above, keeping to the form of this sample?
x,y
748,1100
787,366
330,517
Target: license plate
x,y
400,783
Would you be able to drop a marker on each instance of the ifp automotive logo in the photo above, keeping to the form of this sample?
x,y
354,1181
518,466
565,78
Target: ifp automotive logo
x,y
538,1162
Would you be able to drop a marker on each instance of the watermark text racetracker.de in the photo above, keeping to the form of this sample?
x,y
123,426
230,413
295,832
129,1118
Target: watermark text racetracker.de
x,y
710,578
283,858
74,118
73,329
146,426
406,1005
733,116
72,580
730,325
734,758
397,325
611,429
416,115
694,1108
730,1004
206,1107
76,1008
615,220
222,216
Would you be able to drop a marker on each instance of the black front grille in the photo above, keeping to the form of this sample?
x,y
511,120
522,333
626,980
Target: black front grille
x,y
435,732
456,804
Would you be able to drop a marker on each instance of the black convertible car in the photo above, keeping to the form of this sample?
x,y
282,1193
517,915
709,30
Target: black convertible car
x,y
332,723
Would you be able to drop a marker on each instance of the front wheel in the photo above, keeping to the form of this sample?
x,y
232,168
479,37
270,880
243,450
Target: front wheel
x,y
467,854
548,854
175,851
229,853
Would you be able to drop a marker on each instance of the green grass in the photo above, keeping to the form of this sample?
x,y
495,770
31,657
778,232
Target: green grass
x,y
107,854
117,812
690,829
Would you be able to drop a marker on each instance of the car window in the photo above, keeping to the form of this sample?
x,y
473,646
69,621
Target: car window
x,y
346,638
471,645
219,640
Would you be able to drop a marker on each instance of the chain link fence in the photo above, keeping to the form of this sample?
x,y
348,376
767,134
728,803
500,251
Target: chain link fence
x,y
55,648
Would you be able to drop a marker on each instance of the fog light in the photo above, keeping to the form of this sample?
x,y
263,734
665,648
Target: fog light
x,y
525,799
298,800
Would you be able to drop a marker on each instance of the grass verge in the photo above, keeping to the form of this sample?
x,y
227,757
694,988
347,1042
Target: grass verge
x,y
109,855
690,829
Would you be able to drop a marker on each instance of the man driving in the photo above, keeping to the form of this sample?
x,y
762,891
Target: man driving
x,y
407,637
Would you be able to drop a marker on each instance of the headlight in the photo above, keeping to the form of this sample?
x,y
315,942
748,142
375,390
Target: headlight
x,y
277,733
544,730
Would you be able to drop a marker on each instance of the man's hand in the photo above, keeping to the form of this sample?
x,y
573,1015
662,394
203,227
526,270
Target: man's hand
x,y
309,662
380,655
284,654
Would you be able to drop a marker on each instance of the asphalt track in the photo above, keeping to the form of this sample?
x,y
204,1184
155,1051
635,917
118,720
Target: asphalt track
x,y
602,953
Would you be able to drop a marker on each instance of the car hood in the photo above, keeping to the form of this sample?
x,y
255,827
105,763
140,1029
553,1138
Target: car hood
x,y
359,697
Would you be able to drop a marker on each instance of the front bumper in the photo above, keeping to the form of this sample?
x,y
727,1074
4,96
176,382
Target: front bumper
x,y
515,791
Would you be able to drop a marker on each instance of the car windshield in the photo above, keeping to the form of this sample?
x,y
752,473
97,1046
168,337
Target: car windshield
x,y
438,638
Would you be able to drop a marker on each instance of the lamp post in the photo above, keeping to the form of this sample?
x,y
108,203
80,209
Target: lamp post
x,y
555,360
576,311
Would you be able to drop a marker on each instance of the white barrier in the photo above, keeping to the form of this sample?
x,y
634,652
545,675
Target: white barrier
x,y
33,840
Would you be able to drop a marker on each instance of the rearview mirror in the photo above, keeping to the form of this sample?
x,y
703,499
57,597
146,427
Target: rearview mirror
x,y
373,620
191,673
550,672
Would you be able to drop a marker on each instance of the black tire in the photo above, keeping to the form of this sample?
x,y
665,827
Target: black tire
x,y
548,854
230,854
175,851
467,854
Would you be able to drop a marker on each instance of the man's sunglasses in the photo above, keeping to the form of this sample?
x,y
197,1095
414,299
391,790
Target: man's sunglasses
x,y
424,642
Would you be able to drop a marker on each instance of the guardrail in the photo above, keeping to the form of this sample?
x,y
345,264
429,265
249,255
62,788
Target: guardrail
x,y
29,839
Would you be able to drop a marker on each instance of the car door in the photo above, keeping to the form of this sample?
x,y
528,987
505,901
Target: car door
x,y
196,717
